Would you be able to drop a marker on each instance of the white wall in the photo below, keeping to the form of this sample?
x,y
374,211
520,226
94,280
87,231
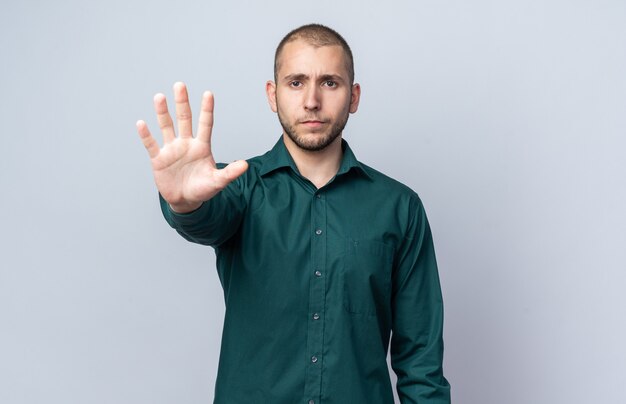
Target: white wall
x,y
508,118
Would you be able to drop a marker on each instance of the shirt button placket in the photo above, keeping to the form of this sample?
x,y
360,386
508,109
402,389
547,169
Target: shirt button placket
x,y
317,299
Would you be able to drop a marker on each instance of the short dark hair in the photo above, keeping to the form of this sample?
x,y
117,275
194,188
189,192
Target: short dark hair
x,y
316,35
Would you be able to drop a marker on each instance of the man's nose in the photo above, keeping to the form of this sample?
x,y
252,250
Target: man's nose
x,y
312,100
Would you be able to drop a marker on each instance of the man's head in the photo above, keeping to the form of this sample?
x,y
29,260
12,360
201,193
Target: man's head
x,y
316,35
314,91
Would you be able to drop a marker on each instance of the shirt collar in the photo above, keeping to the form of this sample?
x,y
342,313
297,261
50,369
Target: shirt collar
x,y
279,157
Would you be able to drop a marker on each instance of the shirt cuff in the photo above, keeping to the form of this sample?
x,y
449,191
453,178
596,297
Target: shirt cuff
x,y
183,218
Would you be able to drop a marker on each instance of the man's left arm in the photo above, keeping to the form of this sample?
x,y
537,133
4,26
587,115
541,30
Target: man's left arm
x,y
417,329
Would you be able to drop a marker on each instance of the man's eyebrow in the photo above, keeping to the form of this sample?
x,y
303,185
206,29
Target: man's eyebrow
x,y
295,76
323,77
333,77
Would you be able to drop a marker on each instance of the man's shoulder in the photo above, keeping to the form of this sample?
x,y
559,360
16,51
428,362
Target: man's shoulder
x,y
387,184
257,161
255,164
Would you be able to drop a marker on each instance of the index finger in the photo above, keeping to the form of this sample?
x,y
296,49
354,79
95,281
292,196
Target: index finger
x,y
205,121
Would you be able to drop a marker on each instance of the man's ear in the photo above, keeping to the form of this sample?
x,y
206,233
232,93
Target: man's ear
x,y
355,96
270,90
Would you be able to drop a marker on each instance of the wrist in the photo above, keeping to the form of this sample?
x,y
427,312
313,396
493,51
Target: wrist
x,y
182,208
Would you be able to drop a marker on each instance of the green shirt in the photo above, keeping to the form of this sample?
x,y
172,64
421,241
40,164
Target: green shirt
x,y
315,281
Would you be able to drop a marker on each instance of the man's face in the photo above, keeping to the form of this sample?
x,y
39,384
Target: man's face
x,y
312,95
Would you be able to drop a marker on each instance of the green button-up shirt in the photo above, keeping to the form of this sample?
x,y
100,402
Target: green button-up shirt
x,y
317,281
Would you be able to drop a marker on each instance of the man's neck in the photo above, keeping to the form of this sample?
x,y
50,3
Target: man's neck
x,y
319,167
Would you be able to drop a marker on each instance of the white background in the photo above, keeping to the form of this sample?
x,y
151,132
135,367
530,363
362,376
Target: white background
x,y
507,117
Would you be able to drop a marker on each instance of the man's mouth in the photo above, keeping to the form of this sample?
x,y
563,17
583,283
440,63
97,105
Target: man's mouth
x,y
312,123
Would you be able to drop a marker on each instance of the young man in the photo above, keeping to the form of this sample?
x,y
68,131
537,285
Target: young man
x,y
321,257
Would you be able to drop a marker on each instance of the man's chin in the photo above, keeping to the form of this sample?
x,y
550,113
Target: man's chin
x,y
313,141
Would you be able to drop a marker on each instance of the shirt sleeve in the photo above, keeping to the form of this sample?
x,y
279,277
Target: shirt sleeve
x,y
417,328
214,222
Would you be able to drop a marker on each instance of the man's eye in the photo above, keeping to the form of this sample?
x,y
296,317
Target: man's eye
x,y
330,83
295,83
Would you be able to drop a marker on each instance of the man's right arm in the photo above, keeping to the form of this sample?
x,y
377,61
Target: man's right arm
x,y
214,222
201,200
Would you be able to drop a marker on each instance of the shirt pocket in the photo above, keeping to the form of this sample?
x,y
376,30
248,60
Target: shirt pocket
x,y
367,277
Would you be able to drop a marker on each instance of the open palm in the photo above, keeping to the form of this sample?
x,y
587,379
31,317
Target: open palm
x,y
184,168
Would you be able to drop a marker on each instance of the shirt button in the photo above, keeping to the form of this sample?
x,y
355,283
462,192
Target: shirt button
x,y
311,402
318,196
316,316
318,273
318,232
313,359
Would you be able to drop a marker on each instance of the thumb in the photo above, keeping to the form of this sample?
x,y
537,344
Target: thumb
x,y
233,170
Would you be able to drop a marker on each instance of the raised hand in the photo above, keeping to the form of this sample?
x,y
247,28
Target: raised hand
x,y
184,169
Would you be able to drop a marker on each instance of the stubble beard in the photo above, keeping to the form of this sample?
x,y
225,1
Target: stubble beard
x,y
320,140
